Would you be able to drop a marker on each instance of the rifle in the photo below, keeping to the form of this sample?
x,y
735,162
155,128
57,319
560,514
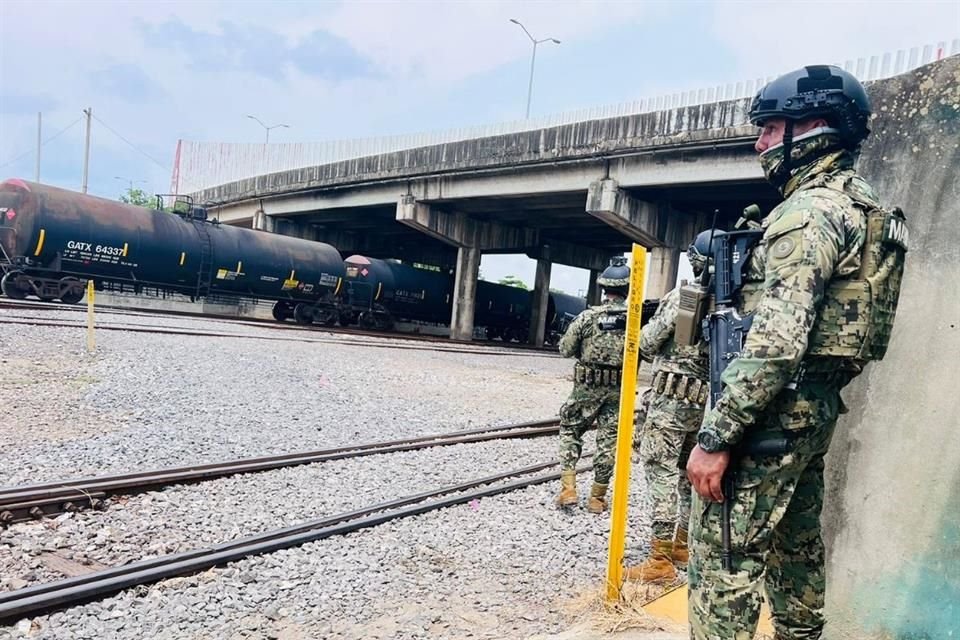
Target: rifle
x,y
725,331
757,448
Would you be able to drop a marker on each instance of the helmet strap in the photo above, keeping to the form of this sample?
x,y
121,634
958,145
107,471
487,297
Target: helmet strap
x,y
784,172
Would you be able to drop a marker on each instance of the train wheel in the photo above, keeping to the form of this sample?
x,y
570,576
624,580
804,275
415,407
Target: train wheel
x,y
366,320
280,312
71,290
9,286
303,314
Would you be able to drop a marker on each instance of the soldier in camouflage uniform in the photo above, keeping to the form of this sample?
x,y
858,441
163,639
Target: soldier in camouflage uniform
x,y
595,338
676,399
823,285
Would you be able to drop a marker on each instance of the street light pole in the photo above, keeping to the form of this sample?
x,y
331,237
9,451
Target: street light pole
x,y
533,59
268,128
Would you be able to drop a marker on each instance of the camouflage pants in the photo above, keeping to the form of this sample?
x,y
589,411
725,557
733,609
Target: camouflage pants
x,y
774,534
669,435
585,405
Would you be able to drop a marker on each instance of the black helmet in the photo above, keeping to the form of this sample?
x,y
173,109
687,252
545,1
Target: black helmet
x,y
699,251
616,277
820,90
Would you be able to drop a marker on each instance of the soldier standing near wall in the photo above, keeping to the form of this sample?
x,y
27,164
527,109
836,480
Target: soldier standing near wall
x,y
822,286
676,400
595,338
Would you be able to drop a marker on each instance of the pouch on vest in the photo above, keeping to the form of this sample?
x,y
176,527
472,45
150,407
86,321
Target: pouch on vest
x,y
857,314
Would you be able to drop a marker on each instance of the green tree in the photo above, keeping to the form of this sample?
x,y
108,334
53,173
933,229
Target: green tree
x,y
137,197
514,281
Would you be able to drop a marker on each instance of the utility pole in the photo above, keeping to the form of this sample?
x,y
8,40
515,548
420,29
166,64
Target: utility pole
x,y
36,176
86,151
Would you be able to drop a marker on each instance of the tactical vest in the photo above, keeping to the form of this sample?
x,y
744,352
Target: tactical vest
x,y
599,347
856,316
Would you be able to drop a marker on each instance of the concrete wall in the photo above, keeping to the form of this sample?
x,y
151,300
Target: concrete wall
x,y
892,516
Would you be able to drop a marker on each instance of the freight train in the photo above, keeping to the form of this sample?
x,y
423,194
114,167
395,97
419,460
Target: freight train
x,y
53,240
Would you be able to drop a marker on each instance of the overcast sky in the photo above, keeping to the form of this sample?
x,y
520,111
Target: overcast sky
x,y
156,72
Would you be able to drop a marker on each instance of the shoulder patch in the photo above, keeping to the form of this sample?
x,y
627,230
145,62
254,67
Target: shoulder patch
x,y
783,247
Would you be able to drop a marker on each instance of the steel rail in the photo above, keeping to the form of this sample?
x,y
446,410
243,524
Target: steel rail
x,y
134,328
267,324
27,502
47,597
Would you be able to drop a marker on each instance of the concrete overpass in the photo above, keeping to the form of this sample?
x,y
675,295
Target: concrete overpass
x,y
573,194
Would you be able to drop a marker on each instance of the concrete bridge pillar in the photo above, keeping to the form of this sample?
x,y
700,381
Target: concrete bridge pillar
x,y
662,275
538,308
593,289
464,293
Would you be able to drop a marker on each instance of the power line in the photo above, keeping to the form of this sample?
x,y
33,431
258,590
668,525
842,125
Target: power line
x,y
43,144
132,146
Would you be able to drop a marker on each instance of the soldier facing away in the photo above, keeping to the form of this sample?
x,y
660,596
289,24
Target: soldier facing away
x,y
823,285
676,400
595,338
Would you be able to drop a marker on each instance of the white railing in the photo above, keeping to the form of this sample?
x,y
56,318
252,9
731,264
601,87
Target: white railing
x,y
200,165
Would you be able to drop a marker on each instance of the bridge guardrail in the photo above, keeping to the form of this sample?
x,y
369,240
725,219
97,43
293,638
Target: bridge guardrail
x,y
200,165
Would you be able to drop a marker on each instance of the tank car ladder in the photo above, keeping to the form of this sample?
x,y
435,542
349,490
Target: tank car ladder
x,y
204,274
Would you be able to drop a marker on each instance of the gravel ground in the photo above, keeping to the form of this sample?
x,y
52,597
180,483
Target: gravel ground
x,y
247,504
502,567
156,400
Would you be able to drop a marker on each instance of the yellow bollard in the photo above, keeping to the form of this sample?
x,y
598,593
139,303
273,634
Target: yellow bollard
x,y
91,343
628,392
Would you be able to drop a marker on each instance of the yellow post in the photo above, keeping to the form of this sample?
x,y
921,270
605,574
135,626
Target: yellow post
x,y
91,343
628,391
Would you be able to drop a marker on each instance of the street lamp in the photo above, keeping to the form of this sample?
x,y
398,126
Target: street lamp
x,y
129,181
270,127
533,60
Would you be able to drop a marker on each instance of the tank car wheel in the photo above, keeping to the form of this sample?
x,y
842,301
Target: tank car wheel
x,y
71,290
366,320
303,314
9,287
281,312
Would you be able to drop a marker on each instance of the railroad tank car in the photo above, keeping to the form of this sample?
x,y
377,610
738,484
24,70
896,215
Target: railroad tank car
x,y
53,240
562,308
380,291
503,311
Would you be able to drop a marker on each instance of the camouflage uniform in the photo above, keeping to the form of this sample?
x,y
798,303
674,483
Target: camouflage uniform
x,y
781,385
595,396
677,397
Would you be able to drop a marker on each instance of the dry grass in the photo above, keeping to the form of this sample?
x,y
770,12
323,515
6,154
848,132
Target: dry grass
x,y
592,608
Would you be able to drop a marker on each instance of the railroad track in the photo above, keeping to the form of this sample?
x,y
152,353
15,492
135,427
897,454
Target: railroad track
x,y
28,502
44,598
268,324
137,328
